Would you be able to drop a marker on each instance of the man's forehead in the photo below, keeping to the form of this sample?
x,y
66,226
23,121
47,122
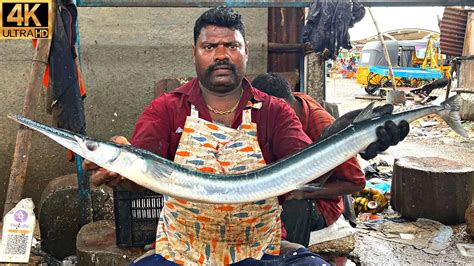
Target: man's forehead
x,y
213,32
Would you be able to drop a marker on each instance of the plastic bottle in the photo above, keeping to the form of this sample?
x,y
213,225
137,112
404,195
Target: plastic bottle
x,y
18,228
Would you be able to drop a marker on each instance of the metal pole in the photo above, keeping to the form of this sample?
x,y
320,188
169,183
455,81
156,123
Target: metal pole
x,y
83,182
385,51
85,199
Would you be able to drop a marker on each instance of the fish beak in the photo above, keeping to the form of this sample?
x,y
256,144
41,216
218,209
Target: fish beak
x,y
66,138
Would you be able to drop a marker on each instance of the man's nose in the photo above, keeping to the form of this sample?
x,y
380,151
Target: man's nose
x,y
221,53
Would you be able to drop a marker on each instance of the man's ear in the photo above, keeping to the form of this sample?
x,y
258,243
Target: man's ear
x,y
194,53
247,50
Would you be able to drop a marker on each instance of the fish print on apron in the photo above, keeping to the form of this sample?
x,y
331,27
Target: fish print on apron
x,y
218,234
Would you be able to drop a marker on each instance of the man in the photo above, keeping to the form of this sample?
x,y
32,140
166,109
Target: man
x,y
218,123
304,212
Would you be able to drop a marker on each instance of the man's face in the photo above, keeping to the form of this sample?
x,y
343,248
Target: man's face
x,y
220,56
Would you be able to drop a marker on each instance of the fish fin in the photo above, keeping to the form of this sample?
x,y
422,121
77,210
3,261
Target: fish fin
x,y
450,114
441,99
370,112
337,126
355,116
341,123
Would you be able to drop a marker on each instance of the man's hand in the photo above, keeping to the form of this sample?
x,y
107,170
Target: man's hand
x,y
296,195
99,175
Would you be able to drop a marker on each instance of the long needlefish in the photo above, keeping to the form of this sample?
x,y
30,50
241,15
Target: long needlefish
x,y
292,172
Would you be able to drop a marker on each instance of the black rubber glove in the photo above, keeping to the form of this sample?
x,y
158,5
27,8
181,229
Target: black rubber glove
x,y
388,134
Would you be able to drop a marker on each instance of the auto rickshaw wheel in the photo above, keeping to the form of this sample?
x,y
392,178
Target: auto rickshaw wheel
x,y
386,82
415,82
371,89
372,83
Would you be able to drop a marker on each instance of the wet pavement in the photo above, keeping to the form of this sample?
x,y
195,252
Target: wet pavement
x,y
429,136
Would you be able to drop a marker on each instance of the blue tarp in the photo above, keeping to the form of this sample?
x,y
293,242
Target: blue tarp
x,y
407,72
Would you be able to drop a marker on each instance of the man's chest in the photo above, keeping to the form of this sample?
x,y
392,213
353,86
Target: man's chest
x,y
225,120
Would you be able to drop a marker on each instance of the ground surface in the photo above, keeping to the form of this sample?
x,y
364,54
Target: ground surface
x,y
437,140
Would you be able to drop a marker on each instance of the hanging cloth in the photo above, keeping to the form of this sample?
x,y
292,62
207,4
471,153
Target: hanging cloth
x,y
328,24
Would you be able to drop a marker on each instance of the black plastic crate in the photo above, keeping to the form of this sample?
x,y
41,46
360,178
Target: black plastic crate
x,y
136,216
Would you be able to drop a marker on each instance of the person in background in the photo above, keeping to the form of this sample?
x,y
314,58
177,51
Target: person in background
x,y
304,212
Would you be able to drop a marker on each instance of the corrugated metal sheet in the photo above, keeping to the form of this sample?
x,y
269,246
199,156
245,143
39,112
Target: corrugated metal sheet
x,y
284,26
453,28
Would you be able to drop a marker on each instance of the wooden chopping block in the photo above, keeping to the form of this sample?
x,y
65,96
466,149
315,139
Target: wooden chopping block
x,y
96,246
470,220
433,188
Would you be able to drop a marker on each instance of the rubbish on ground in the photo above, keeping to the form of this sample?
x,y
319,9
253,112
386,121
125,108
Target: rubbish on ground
x,y
380,169
467,250
341,228
68,261
407,236
380,185
363,217
18,228
430,236
370,200
429,123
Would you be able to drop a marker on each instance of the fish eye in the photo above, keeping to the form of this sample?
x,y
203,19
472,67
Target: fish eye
x,y
91,145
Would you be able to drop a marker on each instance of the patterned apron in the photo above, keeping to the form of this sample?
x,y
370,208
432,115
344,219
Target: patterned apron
x,y
218,234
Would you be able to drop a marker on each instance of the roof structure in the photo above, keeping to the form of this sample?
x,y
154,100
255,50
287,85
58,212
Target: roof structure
x,y
399,35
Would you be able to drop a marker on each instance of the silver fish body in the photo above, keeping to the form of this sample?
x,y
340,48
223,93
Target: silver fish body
x,y
294,171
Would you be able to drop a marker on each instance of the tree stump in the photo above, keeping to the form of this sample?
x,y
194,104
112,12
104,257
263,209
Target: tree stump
x,y
59,214
96,246
467,106
433,188
470,220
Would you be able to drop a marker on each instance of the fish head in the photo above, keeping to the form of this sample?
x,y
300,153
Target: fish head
x,y
101,153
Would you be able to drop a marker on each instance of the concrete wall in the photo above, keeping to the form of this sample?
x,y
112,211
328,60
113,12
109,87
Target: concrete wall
x,y
124,51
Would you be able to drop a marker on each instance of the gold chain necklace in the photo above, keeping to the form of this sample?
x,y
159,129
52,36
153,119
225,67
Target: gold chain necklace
x,y
231,110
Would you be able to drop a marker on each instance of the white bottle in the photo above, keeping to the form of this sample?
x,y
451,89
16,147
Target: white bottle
x,y
18,227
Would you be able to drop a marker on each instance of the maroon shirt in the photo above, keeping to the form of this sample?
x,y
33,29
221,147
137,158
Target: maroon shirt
x,y
314,119
279,131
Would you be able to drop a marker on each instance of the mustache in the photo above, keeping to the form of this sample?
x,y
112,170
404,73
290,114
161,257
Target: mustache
x,y
221,63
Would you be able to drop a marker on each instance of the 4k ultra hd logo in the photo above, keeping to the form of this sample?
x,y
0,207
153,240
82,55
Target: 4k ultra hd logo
x,y
25,19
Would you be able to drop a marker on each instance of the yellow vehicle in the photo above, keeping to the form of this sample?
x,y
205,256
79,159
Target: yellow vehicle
x,y
415,63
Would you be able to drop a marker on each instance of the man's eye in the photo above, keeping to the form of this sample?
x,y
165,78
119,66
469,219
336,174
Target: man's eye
x,y
233,46
208,47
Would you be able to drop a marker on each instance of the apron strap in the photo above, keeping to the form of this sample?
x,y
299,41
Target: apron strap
x,y
194,111
247,114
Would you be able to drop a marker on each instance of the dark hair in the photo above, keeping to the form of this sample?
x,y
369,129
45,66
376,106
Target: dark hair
x,y
219,16
273,84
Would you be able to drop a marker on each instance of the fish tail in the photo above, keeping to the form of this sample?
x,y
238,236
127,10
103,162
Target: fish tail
x,y
450,114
